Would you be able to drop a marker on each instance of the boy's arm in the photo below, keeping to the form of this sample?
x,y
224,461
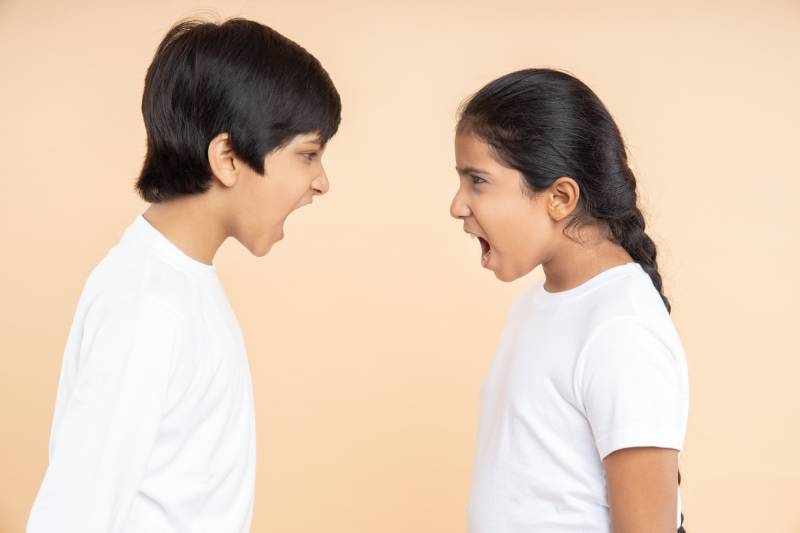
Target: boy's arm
x,y
101,444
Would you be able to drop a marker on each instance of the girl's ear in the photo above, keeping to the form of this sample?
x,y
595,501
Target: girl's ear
x,y
222,160
562,195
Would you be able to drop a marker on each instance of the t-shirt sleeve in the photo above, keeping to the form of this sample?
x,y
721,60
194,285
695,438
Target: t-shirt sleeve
x,y
632,387
103,439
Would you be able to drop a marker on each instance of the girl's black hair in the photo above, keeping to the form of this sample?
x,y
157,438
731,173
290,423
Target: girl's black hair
x,y
238,77
547,124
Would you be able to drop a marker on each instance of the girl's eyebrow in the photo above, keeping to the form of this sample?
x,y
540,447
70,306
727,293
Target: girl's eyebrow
x,y
471,170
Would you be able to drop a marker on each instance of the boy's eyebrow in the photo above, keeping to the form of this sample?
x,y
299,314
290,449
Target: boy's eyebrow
x,y
470,170
316,139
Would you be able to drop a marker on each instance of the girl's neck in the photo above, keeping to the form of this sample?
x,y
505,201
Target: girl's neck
x,y
576,263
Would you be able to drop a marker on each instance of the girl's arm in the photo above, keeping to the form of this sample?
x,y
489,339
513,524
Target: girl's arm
x,y
643,490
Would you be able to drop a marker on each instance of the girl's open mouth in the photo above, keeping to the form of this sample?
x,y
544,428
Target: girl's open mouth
x,y
486,251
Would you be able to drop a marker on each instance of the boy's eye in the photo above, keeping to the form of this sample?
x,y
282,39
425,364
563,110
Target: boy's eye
x,y
477,180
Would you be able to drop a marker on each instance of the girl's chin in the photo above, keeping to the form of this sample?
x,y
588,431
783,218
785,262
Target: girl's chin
x,y
507,275
504,276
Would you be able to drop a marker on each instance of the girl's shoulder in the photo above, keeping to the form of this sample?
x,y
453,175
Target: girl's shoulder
x,y
619,299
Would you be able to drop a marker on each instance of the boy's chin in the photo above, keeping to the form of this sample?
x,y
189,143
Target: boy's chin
x,y
261,252
260,249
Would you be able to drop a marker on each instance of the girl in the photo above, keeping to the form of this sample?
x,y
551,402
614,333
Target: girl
x,y
584,409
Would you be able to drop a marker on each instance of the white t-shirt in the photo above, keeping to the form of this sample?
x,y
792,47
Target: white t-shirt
x,y
578,374
154,429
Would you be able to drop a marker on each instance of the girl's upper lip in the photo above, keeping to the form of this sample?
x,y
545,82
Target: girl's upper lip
x,y
475,233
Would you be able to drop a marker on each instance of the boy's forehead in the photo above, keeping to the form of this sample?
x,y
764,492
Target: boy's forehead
x,y
307,138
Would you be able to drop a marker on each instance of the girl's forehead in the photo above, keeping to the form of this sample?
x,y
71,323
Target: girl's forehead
x,y
471,147
473,153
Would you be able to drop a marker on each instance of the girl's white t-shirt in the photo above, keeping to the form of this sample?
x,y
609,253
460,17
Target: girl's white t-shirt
x,y
154,427
578,374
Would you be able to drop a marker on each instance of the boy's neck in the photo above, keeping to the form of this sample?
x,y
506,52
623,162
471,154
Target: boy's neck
x,y
190,224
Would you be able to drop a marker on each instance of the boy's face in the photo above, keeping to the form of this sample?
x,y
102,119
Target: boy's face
x,y
293,175
512,225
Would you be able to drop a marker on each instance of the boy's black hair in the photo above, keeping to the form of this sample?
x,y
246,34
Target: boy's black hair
x,y
238,77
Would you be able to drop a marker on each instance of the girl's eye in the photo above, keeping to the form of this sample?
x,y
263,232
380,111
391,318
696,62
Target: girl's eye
x,y
477,180
310,155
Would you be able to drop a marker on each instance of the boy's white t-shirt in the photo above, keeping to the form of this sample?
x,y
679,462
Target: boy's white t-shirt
x,y
154,427
578,374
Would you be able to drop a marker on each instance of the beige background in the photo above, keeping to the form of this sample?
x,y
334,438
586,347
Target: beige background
x,y
370,327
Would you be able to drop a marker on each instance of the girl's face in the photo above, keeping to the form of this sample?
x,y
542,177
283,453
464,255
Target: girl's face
x,y
512,225
293,175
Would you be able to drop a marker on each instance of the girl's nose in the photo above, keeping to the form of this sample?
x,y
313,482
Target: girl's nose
x,y
458,208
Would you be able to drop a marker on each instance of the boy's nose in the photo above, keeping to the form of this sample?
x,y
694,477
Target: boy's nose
x,y
320,185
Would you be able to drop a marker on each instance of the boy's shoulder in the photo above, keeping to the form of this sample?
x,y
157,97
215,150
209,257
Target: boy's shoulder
x,y
127,278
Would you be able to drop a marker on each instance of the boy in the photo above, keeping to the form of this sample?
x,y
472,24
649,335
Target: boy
x,y
154,428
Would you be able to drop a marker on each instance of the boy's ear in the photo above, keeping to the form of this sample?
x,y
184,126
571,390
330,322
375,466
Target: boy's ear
x,y
222,160
563,198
